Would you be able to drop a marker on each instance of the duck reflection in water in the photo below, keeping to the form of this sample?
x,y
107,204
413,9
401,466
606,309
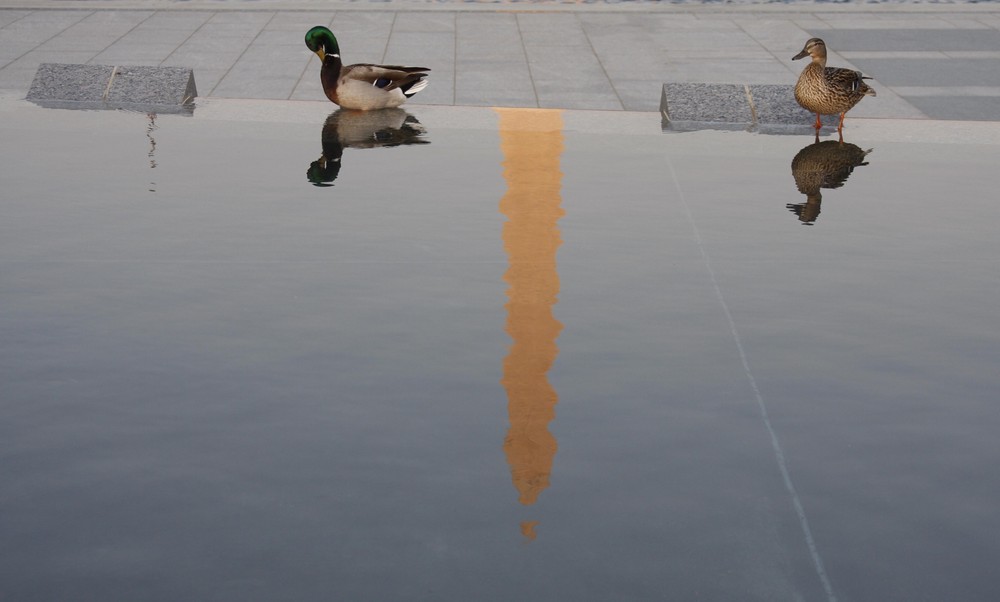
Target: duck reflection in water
x,y
825,164
361,129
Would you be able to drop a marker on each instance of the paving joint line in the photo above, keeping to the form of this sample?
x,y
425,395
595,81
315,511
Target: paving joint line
x,y
786,63
527,62
119,38
597,55
249,44
454,62
40,44
186,40
388,38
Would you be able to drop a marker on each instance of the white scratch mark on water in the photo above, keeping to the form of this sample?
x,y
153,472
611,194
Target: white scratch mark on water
x,y
779,454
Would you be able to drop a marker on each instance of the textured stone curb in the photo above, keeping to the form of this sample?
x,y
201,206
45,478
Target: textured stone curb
x,y
155,89
764,108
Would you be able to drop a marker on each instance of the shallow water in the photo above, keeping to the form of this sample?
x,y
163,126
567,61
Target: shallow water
x,y
538,355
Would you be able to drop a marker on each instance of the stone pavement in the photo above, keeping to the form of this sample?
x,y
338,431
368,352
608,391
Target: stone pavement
x,y
928,60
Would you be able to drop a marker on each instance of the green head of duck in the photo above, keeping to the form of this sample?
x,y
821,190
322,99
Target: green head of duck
x,y
321,40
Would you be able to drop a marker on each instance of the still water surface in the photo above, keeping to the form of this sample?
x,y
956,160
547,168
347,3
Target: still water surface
x,y
496,355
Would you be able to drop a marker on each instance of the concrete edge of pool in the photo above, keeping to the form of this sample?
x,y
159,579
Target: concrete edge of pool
x,y
576,120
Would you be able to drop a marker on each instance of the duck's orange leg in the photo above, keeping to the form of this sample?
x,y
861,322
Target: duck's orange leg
x,y
819,123
840,126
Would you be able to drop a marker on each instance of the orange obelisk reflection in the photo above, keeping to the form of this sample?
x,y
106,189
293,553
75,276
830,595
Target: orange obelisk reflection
x,y
532,142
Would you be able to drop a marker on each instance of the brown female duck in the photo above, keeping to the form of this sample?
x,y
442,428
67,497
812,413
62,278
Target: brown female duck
x,y
827,90
825,164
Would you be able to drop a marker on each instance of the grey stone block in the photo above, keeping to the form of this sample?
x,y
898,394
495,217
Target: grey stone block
x,y
777,104
155,89
777,112
766,108
700,106
70,83
706,103
153,85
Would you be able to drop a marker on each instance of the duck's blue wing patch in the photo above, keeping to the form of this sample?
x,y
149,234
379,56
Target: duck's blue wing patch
x,y
381,82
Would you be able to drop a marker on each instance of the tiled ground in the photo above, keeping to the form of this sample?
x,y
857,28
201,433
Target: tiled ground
x,y
939,62
946,73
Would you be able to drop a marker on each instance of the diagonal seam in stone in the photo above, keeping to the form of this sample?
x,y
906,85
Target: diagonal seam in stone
x,y
111,80
754,120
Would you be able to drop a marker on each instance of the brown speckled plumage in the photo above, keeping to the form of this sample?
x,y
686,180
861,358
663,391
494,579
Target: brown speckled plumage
x,y
824,164
827,90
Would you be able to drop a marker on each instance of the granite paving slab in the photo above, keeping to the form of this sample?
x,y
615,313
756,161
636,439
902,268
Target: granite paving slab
x,y
143,88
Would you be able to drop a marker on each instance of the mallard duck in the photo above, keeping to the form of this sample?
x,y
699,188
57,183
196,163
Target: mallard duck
x,y
391,127
363,86
827,90
361,129
825,164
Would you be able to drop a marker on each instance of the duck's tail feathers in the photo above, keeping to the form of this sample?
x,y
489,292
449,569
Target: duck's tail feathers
x,y
863,87
414,87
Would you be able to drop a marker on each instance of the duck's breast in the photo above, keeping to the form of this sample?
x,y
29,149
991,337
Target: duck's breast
x,y
357,94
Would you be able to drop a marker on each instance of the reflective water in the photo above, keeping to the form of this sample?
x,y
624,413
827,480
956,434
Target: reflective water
x,y
538,355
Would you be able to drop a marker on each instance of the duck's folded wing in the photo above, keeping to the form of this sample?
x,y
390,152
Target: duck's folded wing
x,y
387,77
847,79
